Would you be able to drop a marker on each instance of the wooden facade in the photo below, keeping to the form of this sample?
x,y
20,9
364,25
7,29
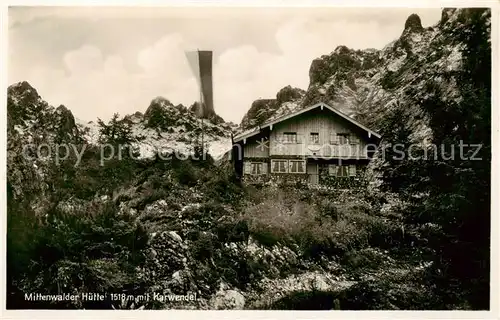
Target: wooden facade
x,y
318,144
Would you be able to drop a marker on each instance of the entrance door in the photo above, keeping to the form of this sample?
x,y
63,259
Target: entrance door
x,y
312,172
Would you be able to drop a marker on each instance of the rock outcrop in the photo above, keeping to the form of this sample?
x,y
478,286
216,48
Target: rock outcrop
x,y
287,100
366,83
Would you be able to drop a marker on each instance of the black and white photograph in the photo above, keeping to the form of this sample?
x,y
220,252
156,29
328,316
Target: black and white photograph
x,y
249,158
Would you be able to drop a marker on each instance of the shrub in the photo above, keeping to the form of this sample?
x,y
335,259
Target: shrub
x,y
185,172
388,81
306,300
280,218
329,209
232,231
392,292
91,249
223,187
291,217
366,258
203,247
150,195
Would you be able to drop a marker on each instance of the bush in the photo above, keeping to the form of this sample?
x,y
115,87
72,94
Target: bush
x,y
329,209
292,217
185,172
150,195
232,231
203,247
223,187
388,81
409,292
307,300
367,258
90,249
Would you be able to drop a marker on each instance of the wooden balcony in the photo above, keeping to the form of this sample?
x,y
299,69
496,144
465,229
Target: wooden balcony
x,y
356,151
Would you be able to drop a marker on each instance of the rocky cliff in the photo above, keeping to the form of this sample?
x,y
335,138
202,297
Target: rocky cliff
x,y
37,130
163,125
367,84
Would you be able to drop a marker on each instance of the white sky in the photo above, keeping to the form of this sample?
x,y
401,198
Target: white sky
x,y
98,61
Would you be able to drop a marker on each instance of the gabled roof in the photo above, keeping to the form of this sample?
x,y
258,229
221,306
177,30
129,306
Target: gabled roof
x,y
255,131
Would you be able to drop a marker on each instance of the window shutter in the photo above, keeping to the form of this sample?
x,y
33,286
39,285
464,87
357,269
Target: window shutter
x,y
332,170
264,168
352,170
248,167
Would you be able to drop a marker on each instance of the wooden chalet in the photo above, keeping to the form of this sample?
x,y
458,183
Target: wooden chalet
x,y
317,144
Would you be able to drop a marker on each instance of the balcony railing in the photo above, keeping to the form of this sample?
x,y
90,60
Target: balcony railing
x,y
294,138
337,151
316,150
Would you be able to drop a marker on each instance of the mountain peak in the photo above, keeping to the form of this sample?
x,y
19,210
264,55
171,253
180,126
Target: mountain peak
x,y
23,90
289,93
342,50
413,23
361,83
161,101
22,85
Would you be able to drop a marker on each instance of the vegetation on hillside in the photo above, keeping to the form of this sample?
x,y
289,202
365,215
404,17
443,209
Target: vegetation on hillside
x,y
416,238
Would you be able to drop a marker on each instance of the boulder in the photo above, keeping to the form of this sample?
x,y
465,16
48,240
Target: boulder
x,y
175,236
228,299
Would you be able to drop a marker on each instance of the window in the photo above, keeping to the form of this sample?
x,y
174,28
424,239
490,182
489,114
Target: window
x,y
332,170
279,166
314,138
342,171
352,170
343,138
297,166
257,168
288,166
290,137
